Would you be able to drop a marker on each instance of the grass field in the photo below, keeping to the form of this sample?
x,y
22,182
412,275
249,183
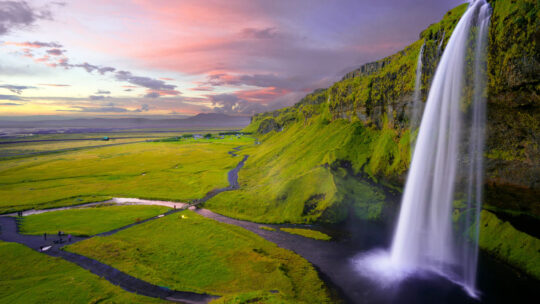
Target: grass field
x,y
31,277
88,221
314,234
18,149
178,171
193,253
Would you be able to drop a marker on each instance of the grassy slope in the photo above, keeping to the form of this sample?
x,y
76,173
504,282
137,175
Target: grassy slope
x,y
203,255
31,277
314,234
179,171
284,182
88,221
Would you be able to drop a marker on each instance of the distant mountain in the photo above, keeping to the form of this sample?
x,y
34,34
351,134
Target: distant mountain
x,y
203,120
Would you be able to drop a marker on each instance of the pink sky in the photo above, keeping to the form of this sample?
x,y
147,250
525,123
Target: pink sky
x,y
145,57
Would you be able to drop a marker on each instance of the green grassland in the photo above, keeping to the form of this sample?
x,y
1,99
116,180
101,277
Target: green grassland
x,y
314,234
178,170
203,255
19,149
88,221
27,276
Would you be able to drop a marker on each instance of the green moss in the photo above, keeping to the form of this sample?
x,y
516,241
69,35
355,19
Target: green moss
x,y
505,242
313,234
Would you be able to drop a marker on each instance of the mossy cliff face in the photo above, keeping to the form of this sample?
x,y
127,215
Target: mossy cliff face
x,y
378,97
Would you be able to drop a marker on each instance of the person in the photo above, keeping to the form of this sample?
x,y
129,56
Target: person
x,y
40,248
69,238
45,236
174,207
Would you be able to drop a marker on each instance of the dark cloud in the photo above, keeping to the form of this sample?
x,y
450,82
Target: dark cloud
x,y
149,83
143,108
17,89
10,97
18,14
96,97
10,104
35,44
267,33
103,92
152,95
103,70
88,67
55,52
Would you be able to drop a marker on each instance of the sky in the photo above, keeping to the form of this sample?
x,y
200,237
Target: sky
x,y
183,57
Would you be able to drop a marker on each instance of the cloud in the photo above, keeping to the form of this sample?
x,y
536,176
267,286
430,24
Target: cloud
x,y
96,97
10,104
267,33
17,89
108,109
232,104
55,52
10,97
152,95
143,108
157,87
55,85
35,44
18,14
103,92
202,88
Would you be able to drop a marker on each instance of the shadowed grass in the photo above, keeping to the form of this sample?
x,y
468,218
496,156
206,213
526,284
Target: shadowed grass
x,y
30,277
88,221
189,252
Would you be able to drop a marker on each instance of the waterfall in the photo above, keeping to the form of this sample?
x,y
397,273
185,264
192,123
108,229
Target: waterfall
x,y
446,170
439,47
417,106
424,238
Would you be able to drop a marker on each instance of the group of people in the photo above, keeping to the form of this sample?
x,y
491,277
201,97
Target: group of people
x,y
60,240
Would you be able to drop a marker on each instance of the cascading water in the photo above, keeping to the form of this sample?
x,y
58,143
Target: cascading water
x,y
417,106
446,168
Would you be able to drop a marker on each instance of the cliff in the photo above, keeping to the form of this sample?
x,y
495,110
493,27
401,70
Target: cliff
x,y
346,148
